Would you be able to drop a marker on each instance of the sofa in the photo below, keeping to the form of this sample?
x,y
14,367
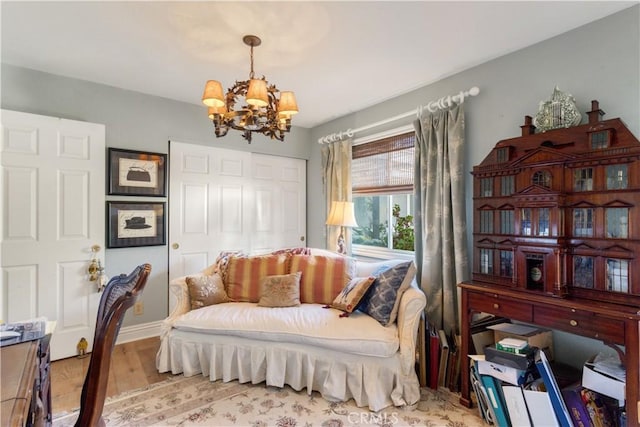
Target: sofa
x,y
308,318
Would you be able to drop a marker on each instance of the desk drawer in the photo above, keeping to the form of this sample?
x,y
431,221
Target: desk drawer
x,y
579,322
501,306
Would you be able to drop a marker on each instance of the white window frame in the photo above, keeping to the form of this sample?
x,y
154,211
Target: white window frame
x,y
376,252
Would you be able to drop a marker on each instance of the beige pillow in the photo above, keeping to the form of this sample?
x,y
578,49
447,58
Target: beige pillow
x,y
280,290
206,290
348,299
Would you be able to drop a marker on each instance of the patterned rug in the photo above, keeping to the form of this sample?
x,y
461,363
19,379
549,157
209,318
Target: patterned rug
x,y
196,401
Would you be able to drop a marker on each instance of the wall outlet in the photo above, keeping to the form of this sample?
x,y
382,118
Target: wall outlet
x,y
138,308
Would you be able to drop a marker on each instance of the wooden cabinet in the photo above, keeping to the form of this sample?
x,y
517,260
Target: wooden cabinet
x,y
556,237
609,322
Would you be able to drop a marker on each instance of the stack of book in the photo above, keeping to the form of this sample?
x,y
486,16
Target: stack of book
x,y
443,360
515,386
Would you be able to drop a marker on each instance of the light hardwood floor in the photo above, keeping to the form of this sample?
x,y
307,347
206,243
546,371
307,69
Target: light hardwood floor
x,y
132,366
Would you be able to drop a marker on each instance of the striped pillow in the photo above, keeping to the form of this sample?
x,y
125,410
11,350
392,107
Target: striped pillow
x,y
244,275
323,277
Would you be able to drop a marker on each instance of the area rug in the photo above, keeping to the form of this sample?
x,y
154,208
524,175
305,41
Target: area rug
x,y
196,401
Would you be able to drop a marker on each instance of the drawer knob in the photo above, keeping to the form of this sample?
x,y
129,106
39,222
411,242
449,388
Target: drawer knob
x,y
573,322
496,306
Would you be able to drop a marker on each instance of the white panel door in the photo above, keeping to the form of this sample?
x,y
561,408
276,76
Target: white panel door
x,y
52,214
209,206
280,202
231,200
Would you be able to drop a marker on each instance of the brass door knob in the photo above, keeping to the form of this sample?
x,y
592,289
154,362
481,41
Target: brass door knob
x,y
175,246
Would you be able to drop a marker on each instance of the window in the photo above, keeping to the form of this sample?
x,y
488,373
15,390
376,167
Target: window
x,y
506,222
506,263
376,221
583,179
507,186
525,224
542,178
583,272
503,154
600,140
382,184
617,275
486,261
583,222
617,177
617,223
486,221
543,222
486,187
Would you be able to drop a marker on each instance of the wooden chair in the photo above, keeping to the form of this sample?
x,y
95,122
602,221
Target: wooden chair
x,y
119,295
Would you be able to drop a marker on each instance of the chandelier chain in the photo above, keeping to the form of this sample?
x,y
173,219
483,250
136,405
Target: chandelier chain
x,y
251,73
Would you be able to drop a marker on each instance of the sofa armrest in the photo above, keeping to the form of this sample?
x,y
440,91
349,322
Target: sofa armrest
x,y
180,290
412,305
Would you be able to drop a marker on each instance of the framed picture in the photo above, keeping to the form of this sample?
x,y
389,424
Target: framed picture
x,y
132,224
136,173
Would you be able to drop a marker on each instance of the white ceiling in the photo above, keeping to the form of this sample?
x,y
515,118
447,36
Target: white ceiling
x,y
338,57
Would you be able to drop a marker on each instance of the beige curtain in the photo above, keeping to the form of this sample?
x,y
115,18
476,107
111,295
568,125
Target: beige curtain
x,y
440,223
336,177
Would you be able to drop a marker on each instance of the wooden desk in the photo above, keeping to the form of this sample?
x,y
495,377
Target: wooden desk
x,y
25,387
611,323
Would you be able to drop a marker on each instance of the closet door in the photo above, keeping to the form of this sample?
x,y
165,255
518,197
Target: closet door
x,y
223,199
279,202
209,197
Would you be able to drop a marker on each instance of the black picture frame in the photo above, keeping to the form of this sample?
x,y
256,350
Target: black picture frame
x,y
131,224
136,173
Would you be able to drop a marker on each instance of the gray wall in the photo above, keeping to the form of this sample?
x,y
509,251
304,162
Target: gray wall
x,y
598,61
137,122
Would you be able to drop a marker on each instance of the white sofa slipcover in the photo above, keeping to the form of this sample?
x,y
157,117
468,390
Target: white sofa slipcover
x,y
305,347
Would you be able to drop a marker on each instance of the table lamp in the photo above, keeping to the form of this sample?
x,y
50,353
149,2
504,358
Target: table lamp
x,y
341,214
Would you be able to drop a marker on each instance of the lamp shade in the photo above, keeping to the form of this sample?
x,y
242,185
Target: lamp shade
x,y
213,96
287,104
257,93
342,214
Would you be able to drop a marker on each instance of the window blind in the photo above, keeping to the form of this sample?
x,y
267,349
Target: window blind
x,y
384,166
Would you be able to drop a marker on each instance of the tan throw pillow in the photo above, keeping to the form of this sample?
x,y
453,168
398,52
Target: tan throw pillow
x,y
348,299
280,290
206,290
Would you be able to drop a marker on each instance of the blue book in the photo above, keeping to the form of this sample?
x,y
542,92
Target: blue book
x,y
496,400
559,407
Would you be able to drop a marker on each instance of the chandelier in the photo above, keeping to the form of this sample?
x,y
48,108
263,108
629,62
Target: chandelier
x,y
250,105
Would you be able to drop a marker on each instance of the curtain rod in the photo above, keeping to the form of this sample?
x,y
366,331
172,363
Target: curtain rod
x,y
433,106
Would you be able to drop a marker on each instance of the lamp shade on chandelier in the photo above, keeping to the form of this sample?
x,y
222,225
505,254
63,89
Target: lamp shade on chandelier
x,y
252,105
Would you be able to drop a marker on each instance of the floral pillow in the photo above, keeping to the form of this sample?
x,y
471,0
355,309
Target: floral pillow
x,y
383,298
348,299
280,290
206,290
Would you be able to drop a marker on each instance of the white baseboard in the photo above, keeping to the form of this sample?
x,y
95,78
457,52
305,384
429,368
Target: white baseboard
x,y
139,332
